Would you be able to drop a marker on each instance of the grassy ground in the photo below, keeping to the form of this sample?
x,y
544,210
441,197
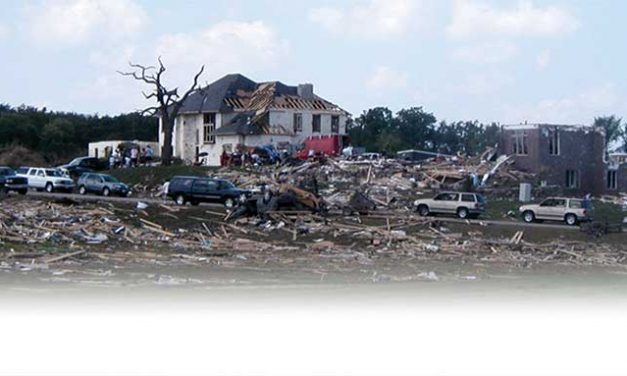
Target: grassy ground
x,y
498,209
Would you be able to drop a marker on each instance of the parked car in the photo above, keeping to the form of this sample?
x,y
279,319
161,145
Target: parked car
x,y
370,156
79,166
266,154
184,189
11,182
104,184
48,179
462,204
570,210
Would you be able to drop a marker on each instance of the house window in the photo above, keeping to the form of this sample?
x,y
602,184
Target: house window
x,y
611,179
335,124
298,123
572,179
519,143
315,124
209,126
554,142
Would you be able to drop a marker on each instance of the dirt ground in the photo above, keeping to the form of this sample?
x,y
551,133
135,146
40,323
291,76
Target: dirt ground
x,y
163,246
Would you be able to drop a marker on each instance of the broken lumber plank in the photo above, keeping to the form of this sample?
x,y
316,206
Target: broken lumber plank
x,y
152,224
62,257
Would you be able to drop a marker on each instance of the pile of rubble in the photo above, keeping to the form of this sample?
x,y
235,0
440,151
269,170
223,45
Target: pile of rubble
x,y
52,232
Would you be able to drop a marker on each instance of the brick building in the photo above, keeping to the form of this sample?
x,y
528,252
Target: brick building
x,y
572,157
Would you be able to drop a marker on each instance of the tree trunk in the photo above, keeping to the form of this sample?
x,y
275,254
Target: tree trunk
x,y
166,149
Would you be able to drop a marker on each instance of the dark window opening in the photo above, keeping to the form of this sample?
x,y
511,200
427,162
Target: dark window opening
x,y
611,179
315,124
519,143
554,142
298,123
572,179
335,124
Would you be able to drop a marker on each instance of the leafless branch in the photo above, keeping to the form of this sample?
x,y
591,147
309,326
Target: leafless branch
x,y
151,111
192,88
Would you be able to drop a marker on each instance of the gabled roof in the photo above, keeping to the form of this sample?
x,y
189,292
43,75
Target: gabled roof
x,y
235,93
211,97
246,123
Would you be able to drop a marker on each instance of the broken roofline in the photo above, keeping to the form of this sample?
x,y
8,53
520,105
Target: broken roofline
x,y
235,92
570,127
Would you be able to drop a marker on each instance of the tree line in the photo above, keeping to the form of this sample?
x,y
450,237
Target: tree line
x,y
59,136
379,129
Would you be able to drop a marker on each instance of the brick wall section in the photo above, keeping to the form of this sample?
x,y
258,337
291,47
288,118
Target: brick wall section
x,y
580,150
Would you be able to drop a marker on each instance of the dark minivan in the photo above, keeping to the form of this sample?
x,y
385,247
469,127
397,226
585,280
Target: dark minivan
x,y
193,189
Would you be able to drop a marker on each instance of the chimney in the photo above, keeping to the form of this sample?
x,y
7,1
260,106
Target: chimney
x,y
305,91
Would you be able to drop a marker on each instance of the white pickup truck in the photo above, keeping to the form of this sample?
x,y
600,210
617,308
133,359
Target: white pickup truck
x,y
47,179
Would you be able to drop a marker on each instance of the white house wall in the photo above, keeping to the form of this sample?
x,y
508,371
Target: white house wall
x,y
98,149
286,119
214,151
188,133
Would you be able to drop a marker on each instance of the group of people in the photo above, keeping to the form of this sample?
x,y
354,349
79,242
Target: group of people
x,y
256,156
130,157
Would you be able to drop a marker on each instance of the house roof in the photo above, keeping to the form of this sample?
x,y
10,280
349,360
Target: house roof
x,y
240,125
211,97
235,92
247,123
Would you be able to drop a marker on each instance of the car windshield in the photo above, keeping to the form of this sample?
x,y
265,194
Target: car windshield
x,y
6,171
54,173
110,179
75,162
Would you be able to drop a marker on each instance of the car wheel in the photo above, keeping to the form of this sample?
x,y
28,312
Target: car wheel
x,y
82,190
195,203
106,192
423,210
528,216
49,188
180,200
229,203
22,191
462,213
570,219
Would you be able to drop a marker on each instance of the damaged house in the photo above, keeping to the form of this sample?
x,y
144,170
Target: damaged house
x,y
235,112
568,156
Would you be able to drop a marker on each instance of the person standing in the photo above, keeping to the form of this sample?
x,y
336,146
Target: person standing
x,y
134,156
149,154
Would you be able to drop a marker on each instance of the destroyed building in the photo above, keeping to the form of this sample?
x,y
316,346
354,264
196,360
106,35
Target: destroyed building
x,y
571,157
235,112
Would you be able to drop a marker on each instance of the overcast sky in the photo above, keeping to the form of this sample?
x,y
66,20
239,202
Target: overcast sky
x,y
502,61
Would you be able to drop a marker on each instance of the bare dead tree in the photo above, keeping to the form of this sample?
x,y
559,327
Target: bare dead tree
x,y
168,104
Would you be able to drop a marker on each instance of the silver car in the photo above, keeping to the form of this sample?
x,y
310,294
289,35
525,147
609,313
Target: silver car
x,y
569,210
462,204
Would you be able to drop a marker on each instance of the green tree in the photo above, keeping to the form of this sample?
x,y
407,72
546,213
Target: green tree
x,y
415,128
612,126
367,129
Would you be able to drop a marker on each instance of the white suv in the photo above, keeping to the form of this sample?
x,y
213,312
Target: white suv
x,y
570,210
48,179
462,204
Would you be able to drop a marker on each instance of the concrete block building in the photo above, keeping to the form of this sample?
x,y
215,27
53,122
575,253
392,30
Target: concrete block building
x,y
569,156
